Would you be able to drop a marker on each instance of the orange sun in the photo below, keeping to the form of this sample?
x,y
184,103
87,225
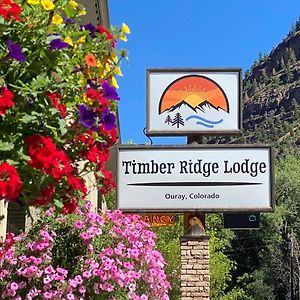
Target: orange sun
x,y
193,89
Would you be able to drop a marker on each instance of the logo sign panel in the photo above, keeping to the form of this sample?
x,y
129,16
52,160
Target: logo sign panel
x,y
188,101
242,221
218,178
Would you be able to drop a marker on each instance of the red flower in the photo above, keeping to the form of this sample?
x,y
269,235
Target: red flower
x,y
55,99
44,156
107,182
10,10
45,196
6,97
69,207
10,183
107,34
77,184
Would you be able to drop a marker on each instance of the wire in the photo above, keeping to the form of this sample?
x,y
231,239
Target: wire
x,y
144,131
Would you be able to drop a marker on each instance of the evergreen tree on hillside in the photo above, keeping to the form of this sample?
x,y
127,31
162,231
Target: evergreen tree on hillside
x,y
178,120
291,56
168,120
282,64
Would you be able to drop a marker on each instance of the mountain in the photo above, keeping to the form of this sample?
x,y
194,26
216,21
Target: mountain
x,y
271,98
203,107
182,104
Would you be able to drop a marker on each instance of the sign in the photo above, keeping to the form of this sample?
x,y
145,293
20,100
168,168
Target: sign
x,y
215,178
193,101
159,219
242,221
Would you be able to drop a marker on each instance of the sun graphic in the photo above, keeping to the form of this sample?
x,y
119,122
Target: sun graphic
x,y
194,90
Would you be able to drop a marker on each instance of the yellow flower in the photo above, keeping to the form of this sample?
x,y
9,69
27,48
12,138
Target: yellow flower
x,y
33,2
125,28
114,57
81,40
47,4
69,41
118,71
57,19
107,68
73,3
123,37
100,69
114,82
82,12
87,100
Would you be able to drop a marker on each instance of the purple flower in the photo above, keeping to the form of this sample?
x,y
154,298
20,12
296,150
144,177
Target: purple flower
x,y
57,44
15,51
109,92
69,21
88,118
108,119
91,28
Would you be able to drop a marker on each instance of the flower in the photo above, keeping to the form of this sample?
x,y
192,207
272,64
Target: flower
x,y
106,33
90,60
57,19
73,3
10,10
47,4
45,196
55,99
6,101
108,119
109,92
88,118
125,28
15,51
57,44
10,183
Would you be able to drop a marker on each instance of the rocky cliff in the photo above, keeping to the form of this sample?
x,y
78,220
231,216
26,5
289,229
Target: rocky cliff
x,y
271,98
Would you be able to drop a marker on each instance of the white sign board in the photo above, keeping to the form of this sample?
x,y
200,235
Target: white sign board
x,y
187,101
187,178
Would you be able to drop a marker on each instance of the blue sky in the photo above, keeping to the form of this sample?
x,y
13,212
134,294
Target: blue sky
x,y
191,33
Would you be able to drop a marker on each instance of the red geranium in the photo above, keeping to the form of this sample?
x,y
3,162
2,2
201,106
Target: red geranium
x,y
69,206
44,156
10,183
6,102
45,196
55,99
10,10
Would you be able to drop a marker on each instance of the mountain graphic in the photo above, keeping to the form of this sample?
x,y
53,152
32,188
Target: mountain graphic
x,y
203,107
181,104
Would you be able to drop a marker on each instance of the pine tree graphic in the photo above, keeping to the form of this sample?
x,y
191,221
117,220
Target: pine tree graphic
x,y
178,120
168,120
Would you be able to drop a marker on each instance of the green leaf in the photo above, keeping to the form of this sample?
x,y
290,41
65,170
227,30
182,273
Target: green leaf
x,y
62,127
58,203
70,11
6,146
27,118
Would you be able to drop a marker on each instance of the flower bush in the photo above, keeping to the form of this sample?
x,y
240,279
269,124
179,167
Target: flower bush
x,y
58,101
83,256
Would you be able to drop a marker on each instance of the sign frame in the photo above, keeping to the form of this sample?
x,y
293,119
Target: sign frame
x,y
195,71
136,209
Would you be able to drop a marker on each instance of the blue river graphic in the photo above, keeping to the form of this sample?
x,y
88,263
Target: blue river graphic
x,y
204,122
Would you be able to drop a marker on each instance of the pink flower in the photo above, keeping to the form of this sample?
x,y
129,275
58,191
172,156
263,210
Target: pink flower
x,y
78,224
